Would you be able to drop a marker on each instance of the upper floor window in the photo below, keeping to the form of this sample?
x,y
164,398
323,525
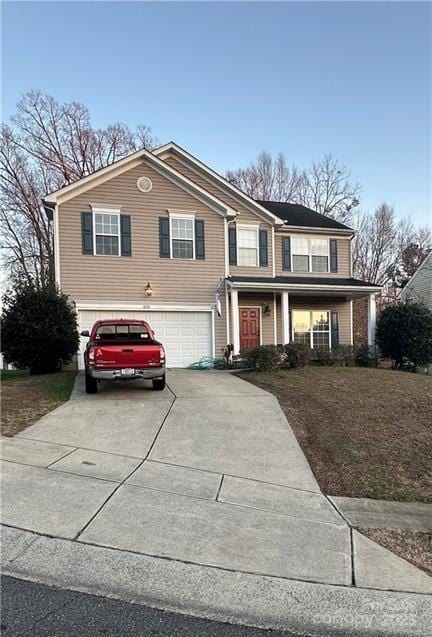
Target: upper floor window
x,y
182,237
310,254
300,254
247,246
320,255
107,233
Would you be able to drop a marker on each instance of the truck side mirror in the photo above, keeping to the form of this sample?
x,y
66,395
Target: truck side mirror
x,y
85,333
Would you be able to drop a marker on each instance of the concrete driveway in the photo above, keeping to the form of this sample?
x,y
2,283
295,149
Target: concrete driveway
x,y
207,471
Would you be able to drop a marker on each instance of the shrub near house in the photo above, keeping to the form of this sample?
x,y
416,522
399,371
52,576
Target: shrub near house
x,y
39,329
294,355
404,334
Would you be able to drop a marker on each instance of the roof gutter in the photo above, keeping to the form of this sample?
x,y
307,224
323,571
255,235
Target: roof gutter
x,y
49,209
346,232
306,286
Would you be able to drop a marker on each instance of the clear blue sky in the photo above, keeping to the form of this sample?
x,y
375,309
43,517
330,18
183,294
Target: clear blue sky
x,y
226,80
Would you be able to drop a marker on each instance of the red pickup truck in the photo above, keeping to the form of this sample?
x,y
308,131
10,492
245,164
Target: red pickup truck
x,y
123,349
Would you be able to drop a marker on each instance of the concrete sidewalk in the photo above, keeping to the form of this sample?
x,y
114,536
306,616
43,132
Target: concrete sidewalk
x,y
207,472
382,514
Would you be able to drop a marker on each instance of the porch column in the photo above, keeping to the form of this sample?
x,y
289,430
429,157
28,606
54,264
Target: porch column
x,y
285,318
371,319
235,322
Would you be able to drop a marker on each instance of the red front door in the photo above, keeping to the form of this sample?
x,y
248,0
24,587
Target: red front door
x,y
249,327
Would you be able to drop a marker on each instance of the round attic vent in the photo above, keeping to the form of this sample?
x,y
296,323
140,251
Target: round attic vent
x,y
144,184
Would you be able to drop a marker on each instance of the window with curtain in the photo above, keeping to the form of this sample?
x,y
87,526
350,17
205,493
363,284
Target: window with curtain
x,y
247,246
311,327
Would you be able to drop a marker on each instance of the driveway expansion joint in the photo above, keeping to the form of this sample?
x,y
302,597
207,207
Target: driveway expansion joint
x,y
353,579
48,466
120,484
220,487
23,551
111,453
232,475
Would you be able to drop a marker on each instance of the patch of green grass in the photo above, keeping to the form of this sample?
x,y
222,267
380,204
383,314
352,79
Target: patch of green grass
x,y
382,489
60,385
14,374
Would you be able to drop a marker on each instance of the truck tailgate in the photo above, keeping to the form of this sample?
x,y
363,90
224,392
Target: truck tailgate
x,y
120,356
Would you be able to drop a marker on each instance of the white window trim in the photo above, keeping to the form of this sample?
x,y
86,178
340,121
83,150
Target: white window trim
x,y
173,214
298,309
106,211
309,240
246,226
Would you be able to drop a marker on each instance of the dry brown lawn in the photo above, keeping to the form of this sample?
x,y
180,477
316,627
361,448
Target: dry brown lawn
x,y
26,398
366,432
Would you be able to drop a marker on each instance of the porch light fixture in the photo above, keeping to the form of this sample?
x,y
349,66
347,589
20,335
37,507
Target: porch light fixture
x,y
266,310
148,289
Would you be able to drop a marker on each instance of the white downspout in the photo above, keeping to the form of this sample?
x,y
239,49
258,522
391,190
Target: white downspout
x,y
235,321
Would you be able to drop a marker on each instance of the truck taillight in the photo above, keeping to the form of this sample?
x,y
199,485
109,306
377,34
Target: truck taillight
x,y
162,354
91,354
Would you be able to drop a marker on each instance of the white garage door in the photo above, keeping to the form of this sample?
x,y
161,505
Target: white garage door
x,y
186,336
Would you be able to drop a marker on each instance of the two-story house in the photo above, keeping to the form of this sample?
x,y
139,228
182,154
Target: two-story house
x,y
160,236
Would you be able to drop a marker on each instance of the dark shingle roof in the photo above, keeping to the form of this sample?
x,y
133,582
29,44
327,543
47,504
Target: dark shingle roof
x,y
303,280
296,215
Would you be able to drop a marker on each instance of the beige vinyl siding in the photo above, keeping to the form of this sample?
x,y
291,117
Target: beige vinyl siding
x,y
109,278
246,215
419,288
344,257
340,306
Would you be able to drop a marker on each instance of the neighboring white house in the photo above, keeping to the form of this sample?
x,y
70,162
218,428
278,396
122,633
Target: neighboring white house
x,y
3,364
419,287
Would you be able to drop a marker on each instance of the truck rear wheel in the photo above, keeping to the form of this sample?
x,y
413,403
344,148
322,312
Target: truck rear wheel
x,y
159,383
91,385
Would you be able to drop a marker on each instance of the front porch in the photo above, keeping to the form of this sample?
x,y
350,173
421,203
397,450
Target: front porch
x,y
275,311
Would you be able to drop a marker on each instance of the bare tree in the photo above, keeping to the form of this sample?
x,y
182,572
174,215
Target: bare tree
x,y
413,254
268,179
386,248
326,186
48,145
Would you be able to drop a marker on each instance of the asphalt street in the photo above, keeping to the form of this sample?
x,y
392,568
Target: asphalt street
x,y
30,609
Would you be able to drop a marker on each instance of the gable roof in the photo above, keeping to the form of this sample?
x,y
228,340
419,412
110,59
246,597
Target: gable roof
x,y
293,214
126,163
223,183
